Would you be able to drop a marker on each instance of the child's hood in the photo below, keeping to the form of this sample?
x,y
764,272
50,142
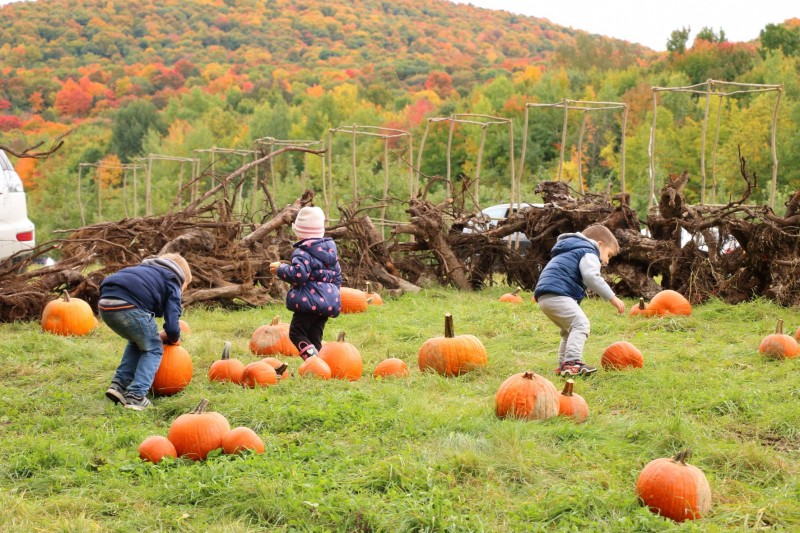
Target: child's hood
x,y
563,244
324,250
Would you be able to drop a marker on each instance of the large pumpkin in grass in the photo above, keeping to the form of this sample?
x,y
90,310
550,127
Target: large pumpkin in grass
x,y
668,302
528,396
198,432
512,297
241,439
155,448
621,354
272,339
343,359
353,300
373,298
315,367
672,488
572,405
175,371
640,309
391,367
226,369
281,368
68,316
778,345
259,374
452,355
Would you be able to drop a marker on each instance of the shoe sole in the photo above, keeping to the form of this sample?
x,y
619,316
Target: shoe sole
x,y
581,372
115,396
137,407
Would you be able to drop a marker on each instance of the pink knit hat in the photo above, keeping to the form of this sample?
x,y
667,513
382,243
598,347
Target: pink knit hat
x,y
310,223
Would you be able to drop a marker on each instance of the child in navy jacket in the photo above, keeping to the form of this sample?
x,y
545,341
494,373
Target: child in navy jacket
x,y
129,301
315,276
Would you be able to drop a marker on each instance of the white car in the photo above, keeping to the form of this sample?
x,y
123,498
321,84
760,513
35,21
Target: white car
x,y
494,214
17,233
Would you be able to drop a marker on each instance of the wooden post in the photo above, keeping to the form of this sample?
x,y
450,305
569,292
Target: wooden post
x,y
652,152
484,129
580,150
563,139
125,190
449,149
148,208
709,85
135,192
355,171
80,202
622,149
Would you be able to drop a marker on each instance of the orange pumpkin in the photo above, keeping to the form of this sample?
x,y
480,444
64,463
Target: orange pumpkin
x,y
184,327
669,302
240,439
226,369
512,297
155,448
778,345
68,316
343,359
670,487
259,373
281,368
797,334
452,355
353,300
391,367
640,309
621,354
196,433
316,367
175,371
572,405
272,339
528,396
373,298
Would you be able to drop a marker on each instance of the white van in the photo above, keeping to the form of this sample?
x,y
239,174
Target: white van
x,y
17,233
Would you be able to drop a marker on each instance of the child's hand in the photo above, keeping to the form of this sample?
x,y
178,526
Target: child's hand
x,y
164,340
273,267
619,304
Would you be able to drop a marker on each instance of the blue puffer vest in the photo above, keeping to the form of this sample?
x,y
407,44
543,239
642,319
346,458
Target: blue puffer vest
x,y
315,276
562,275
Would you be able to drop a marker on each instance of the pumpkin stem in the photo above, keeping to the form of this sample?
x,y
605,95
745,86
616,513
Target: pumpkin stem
x,y
515,291
369,287
201,407
779,327
641,304
340,338
681,457
449,330
568,387
275,321
226,351
528,375
66,297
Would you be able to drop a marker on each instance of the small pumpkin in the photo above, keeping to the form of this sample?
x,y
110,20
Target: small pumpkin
x,y
797,334
226,369
343,359
184,326
198,432
640,309
373,298
621,354
68,316
778,345
155,448
391,367
452,355
240,439
572,405
175,371
315,367
281,368
512,297
670,487
353,300
259,374
272,339
528,396
668,302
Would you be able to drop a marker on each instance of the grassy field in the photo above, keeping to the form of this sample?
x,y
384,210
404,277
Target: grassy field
x,y
419,454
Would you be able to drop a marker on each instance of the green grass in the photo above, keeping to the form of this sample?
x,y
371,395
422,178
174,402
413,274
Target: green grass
x,y
419,454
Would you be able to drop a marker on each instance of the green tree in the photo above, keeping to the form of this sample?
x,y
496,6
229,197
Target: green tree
x,y
130,127
779,37
678,39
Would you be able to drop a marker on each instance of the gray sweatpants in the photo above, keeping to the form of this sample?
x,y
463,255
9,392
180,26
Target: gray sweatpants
x,y
565,313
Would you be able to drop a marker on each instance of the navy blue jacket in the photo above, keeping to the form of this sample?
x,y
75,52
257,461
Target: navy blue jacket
x,y
562,274
315,276
151,288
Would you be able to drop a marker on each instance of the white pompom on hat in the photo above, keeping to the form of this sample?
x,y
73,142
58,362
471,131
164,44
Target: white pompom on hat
x,y
310,223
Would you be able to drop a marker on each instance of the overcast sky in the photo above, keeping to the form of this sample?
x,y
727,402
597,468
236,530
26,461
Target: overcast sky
x,y
651,23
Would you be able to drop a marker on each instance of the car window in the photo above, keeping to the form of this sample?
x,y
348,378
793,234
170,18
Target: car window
x,y
496,212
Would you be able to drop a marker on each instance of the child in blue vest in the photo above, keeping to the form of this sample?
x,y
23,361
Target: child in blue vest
x,y
575,266
315,276
129,301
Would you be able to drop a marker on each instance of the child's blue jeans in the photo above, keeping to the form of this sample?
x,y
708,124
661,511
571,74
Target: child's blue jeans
x,y
144,351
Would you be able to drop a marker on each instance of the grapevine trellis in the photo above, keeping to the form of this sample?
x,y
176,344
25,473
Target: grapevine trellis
x,y
587,107
709,91
271,143
194,170
112,166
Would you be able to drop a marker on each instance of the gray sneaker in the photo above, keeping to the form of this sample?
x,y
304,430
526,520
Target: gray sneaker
x,y
116,393
135,402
